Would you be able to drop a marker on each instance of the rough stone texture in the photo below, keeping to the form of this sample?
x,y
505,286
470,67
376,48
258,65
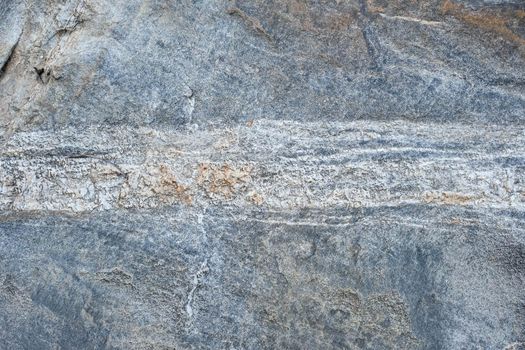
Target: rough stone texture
x,y
262,174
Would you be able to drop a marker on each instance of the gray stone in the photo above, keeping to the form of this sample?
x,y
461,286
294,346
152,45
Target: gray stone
x,y
243,174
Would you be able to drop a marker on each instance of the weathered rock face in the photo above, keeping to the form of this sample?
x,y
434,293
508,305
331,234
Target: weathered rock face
x,y
262,174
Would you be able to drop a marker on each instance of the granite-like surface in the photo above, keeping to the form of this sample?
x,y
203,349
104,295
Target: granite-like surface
x,y
292,174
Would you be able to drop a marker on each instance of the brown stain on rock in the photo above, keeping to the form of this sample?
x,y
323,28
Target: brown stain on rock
x,y
485,20
319,22
169,187
222,180
450,198
255,198
253,22
373,8
499,21
302,15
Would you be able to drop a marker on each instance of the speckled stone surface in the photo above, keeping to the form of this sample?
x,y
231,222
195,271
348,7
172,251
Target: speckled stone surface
x,y
262,174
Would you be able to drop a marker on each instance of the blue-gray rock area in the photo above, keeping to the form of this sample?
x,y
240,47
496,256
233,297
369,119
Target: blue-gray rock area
x,y
262,174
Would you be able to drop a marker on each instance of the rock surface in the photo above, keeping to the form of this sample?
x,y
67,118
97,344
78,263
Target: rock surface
x,y
262,174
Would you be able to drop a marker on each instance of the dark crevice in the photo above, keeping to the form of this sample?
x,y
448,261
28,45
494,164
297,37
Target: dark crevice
x,y
8,60
39,72
371,42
